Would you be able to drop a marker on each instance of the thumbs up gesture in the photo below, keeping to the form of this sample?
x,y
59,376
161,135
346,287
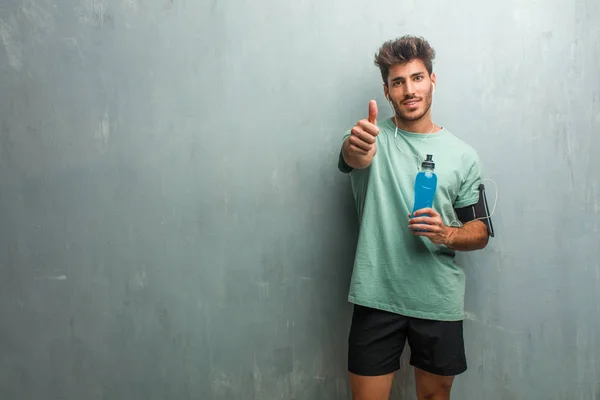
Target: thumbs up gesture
x,y
359,148
373,112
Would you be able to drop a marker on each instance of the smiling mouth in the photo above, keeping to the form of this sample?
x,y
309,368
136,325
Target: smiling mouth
x,y
411,103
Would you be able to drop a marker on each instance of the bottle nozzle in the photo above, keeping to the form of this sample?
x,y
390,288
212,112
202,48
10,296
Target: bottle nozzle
x,y
428,163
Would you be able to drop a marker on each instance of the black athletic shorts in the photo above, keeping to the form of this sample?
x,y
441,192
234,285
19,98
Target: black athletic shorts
x,y
377,339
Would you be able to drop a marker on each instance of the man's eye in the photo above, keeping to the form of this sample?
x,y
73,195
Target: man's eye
x,y
418,78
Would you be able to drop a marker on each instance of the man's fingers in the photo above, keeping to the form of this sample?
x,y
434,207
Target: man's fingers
x,y
368,127
357,150
362,135
421,220
429,211
373,112
423,227
355,141
423,211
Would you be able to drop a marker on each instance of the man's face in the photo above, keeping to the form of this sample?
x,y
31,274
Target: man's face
x,y
410,90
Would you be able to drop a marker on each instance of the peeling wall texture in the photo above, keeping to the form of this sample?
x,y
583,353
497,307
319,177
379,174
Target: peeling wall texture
x,y
173,224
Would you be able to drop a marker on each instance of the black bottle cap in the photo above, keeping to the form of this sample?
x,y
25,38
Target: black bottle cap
x,y
428,163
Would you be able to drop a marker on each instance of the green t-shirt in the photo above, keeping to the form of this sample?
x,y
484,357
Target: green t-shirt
x,y
394,270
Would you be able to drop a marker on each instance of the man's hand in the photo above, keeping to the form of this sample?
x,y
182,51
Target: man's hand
x,y
359,148
471,236
431,226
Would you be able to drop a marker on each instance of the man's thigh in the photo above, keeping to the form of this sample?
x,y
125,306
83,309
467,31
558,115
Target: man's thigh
x,y
375,345
437,347
438,355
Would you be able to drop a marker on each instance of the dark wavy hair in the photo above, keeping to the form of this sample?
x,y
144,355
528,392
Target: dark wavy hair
x,y
403,50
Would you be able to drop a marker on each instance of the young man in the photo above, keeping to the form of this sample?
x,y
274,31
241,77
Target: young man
x,y
405,284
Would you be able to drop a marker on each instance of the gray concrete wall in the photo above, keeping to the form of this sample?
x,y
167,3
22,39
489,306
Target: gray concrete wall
x,y
173,224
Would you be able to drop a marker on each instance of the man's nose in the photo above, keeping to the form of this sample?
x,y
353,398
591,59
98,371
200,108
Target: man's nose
x,y
409,89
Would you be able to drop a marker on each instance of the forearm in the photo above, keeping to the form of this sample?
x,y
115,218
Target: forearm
x,y
471,236
357,161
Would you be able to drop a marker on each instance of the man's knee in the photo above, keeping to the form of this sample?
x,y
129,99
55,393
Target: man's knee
x,y
438,391
432,387
371,387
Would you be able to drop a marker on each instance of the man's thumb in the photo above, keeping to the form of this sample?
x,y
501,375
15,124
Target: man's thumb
x,y
373,112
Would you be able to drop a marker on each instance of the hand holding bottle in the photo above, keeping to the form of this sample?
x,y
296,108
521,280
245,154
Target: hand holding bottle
x,y
428,223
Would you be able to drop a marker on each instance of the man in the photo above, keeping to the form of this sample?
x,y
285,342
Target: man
x,y
405,284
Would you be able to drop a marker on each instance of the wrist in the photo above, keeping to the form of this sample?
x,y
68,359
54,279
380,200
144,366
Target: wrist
x,y
450,236
357,161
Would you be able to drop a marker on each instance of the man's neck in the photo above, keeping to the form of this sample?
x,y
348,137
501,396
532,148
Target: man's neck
x,y
422,125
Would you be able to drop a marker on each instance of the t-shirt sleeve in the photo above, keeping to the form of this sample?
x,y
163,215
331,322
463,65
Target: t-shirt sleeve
x,y
468,193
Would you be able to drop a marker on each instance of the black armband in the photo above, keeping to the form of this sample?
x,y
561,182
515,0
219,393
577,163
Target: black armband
x,y
478,211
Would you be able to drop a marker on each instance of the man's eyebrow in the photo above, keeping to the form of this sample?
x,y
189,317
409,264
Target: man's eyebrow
x,y
398,78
